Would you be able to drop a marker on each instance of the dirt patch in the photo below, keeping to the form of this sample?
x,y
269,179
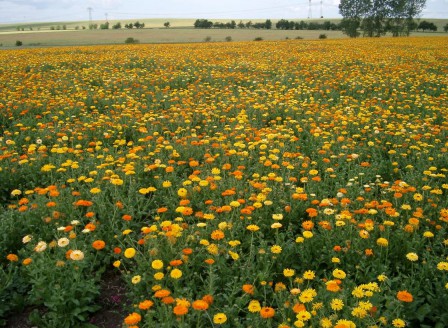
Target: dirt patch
x,y
112,300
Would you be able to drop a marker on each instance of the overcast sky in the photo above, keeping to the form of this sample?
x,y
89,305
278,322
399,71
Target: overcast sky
x,y
16,11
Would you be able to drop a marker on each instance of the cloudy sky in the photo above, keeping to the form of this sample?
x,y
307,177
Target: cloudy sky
x,y
16,11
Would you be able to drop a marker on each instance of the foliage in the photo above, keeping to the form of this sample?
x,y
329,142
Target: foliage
x,y
131,40
203,23
19,43
269,185
377,17
425,25
116,26
166,24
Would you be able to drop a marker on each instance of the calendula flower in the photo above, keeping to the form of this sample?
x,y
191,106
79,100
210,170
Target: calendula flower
x,y
253,227
405,296
133,319
12,257
219,318
309,275
62,242
288,272
276,249
339,274
176,273
180,310
77,255
40,247
145,305
157,264
254,306
129,252
98,244
16,192
412,257
267,312
383,242
200,305
136,279
442,266
337,304
398,323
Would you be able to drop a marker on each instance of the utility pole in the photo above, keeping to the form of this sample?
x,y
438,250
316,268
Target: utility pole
x,y
106,17
309,9
321,9
90,17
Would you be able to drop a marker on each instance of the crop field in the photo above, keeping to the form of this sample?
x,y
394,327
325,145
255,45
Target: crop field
x,y
234,184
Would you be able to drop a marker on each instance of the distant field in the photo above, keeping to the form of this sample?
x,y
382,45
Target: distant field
x,y
181,31
64,38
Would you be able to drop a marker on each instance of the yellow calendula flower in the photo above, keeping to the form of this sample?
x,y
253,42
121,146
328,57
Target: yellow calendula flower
x,y
129,253
157,264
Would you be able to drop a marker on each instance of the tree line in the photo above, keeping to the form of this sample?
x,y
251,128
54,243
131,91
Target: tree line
x,y
377,17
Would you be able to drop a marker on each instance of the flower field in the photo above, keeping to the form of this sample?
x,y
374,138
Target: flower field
x,y
253,184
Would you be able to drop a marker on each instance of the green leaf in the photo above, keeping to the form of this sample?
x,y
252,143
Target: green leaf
x,y
422,311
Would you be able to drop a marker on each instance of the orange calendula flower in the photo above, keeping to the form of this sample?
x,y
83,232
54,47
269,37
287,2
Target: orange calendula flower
x,y
267,312
248,289
133,319
217,235
98,244
405,296
200,305
180,310
145,305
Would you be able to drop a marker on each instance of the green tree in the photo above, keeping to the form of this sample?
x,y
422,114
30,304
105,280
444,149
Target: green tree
x,y
166,24
376,17
445,28
268,24
401,16
352,12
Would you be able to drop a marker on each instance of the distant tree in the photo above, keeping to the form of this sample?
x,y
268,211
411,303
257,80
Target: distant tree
x,y
249,24
268,24
130,40
376,17
352,12
19,43
64,27
137,24
241,24
203,23
445,28
104,26
401,16
424,25
232,24
116,26
129,26
166,24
